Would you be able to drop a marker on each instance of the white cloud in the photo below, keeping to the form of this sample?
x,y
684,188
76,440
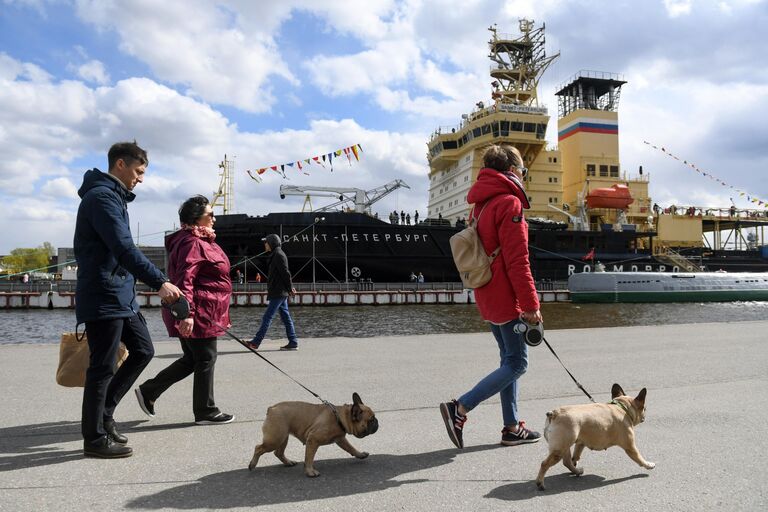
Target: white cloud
x,y
677,8
93,71
59,188
205,49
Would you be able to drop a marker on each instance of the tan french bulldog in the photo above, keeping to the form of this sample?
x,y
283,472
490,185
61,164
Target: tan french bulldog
x,y
595,426
314,425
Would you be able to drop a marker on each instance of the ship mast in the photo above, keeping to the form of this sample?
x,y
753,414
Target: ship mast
x,y
520,63
225,196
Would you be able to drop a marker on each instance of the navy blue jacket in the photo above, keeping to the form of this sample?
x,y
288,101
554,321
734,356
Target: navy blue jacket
x,y
107,259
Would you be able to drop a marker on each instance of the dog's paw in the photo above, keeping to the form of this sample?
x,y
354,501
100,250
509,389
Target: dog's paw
x,y
540,486
311,473
251,467
650,465
579,471
362,455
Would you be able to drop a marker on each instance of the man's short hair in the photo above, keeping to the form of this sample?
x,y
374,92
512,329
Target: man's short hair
x,y
129,152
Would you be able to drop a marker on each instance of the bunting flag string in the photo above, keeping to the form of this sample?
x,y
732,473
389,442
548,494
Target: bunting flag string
x,y
354,150
693,166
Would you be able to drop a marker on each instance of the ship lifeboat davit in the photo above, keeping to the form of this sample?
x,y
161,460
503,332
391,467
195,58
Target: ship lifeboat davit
x,y
616,196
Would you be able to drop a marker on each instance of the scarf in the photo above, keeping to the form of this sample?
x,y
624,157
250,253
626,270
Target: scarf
x,y
203,232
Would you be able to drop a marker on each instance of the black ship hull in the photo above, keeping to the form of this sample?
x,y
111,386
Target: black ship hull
x,y
342,247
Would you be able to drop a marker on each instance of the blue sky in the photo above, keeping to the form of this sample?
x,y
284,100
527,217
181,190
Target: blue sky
x,y
272,82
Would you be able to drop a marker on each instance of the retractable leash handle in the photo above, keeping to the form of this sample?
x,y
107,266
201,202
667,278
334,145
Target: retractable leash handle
x,y
533,334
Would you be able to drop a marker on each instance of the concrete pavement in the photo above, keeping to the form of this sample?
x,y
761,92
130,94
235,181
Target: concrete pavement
x,y
705,427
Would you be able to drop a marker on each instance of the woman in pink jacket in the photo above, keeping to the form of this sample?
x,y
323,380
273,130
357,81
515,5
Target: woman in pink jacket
x,y
199,267
509,296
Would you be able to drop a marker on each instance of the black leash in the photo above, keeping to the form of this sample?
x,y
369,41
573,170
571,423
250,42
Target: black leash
x,y
566,369
273,365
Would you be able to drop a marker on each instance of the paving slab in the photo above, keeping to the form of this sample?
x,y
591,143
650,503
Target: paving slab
x,y
705,427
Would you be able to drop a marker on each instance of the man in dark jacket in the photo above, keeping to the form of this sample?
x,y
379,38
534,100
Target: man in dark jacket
x,y
105,298
279,288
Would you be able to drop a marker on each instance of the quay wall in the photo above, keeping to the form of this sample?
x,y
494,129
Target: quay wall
x,y
65,299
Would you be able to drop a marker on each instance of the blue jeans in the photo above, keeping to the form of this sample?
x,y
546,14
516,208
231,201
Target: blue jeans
x,y
514,362
277,304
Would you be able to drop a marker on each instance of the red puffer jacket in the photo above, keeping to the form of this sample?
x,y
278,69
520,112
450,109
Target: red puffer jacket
x,y
511,290
199,267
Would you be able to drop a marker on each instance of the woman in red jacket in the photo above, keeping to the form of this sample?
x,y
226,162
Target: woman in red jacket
x,y
199,267
509,296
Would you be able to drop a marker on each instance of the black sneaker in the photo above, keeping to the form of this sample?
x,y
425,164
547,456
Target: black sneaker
x,y
113,434
217,419
521,436
290,346
454,422
105,448
146,406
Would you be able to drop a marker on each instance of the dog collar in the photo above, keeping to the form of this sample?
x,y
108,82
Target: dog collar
x,y
336,414
622,406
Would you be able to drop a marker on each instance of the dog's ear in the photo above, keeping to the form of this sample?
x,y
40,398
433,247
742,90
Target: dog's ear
x,y
616,391
357,413
641,397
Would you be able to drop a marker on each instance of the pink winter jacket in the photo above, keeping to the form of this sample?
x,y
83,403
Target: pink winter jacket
x,y
199,267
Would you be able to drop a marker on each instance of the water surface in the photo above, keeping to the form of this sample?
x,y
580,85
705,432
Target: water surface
x,y
46,326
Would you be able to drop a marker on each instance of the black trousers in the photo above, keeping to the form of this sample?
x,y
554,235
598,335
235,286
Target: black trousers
x,y
104,388
199,358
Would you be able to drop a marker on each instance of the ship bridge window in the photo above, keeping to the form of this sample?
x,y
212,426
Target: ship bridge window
x,y
486,130
517,126
504,128
603,170
590,169
614,171
529,127
541,130
449,144
495,129
476,132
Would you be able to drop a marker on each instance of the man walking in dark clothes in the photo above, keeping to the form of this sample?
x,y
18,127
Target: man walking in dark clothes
x,y
279,288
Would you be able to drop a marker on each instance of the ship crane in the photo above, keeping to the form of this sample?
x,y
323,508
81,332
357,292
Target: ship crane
x,y
362,199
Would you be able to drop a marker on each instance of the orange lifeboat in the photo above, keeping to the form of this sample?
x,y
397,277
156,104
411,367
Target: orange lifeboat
x,y
616,196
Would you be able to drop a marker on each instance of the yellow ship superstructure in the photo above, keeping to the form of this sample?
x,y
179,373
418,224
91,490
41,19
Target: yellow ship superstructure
x,y
560,178
513,116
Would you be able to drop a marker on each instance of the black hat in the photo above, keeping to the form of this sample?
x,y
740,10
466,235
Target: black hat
x,y
273,240
179,309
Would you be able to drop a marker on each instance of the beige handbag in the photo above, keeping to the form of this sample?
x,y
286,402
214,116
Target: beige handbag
x,y
74,359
